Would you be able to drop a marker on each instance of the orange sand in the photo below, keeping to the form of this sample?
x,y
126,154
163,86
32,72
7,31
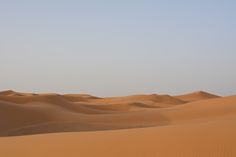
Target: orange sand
x,y
193,125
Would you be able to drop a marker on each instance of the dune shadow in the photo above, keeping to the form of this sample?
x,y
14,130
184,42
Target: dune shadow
x,y
99,122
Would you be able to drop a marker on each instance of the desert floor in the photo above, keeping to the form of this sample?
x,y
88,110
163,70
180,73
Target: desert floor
x,y
198,124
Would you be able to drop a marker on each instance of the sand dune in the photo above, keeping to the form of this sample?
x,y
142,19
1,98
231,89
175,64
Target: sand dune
x,y
195,96
196,124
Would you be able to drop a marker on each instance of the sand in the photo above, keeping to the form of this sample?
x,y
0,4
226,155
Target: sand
x,y
198,124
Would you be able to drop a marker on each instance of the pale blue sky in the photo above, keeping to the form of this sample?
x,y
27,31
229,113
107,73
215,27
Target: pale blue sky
x,y
123,47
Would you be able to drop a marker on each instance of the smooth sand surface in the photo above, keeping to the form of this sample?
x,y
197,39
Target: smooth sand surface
x,y
198,124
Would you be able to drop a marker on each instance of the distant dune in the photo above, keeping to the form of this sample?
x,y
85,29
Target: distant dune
x,y
198,124
199,95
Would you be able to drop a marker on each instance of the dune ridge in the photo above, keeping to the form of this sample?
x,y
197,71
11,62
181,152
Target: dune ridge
x,y
195,96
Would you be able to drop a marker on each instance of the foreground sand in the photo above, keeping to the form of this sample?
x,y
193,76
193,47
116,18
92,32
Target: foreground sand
x,y
193,125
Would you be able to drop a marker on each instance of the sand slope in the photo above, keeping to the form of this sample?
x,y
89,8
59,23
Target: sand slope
x,y
193,125
195,96
212,139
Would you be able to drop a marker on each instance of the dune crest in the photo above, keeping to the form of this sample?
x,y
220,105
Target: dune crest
x,y
195,96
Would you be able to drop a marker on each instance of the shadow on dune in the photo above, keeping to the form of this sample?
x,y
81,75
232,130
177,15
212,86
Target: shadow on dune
x,y
60,127
37,118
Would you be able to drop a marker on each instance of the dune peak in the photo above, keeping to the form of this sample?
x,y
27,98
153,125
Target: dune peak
x,y
7,92
197,95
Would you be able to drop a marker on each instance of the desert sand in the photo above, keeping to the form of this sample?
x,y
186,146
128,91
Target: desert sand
x,y
197,124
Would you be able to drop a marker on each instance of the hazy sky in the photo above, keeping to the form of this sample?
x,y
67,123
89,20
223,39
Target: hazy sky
x,y
118,47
